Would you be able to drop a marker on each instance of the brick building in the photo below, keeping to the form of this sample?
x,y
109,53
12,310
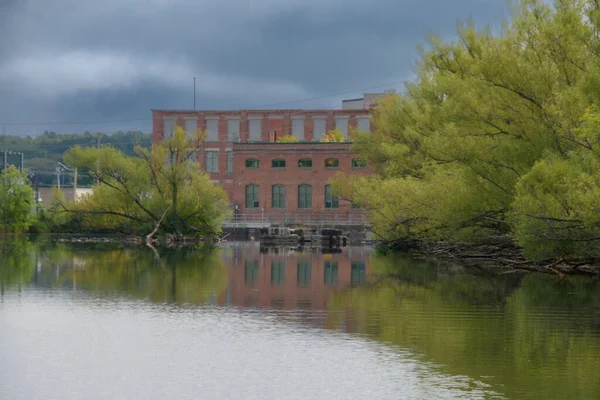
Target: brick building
x,y
266,179
283,278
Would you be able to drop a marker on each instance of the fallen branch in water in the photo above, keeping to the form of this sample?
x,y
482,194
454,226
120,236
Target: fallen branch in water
x,y
151,234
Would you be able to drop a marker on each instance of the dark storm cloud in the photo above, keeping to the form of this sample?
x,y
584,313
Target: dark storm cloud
x,y
88,60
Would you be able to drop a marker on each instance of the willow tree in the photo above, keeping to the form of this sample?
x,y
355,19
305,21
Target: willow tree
x,y
450,152
158,190
16,201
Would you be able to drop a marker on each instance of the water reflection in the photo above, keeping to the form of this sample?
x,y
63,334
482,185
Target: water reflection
x,y
288,278
526,337
167,275
449,331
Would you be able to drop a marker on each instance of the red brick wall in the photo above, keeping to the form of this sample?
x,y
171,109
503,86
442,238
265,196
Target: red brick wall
x,y
289,294
265,176
280,120
291,176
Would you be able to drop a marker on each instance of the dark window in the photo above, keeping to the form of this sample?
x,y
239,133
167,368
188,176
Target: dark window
x,y
278,163
331,201
331,272
277,272
356,206
358,163
304,196
303,273
229,162
332,163
251,163
357,273
212,161
305,163
252,196
251,272
278,196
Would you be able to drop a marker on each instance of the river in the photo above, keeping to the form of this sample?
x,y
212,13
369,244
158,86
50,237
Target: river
x,y
242,322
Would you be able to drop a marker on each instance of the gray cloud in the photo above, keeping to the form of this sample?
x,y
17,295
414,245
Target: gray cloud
x,y
114,60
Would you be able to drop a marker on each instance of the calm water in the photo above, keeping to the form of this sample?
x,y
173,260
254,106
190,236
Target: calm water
x,y
243,323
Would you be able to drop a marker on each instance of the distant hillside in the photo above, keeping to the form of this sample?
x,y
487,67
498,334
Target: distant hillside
x,y
42,152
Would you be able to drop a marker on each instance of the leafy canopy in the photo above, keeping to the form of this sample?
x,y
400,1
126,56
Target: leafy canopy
x,y
164,186
498,135
16,201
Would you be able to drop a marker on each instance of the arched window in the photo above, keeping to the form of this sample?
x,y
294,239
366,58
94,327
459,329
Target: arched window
x,y
331,202
332,163
304,196
278,196
358,163
251,163
252,196
278,163
305,163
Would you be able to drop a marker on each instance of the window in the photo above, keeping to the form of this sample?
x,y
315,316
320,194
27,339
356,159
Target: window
x,y
298,128
305,163
364,123
255,128
212,129
212,161
341,124
278,163
229,162
233,130
318,128
331,273
278,196
251,163
358,163
191,128
356,206
303,273
252,196
332,163
277,272
251,272
304,196
168,128
331,201
357,273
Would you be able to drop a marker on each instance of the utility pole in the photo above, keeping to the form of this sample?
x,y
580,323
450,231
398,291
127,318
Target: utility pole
x,y
75,185
58,178
194,93
5,164
98,162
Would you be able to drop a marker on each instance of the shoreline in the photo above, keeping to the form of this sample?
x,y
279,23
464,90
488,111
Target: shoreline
x,y
503,255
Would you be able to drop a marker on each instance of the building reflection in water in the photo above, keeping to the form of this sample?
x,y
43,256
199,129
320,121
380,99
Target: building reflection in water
x,y
287,278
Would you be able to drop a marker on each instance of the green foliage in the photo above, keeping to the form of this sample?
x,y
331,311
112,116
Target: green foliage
x,y
183,275
16,261
43,151
333,136
16,200
499,134
164,186
499,330
287,139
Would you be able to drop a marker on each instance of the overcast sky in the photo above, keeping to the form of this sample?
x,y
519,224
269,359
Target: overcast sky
x,y
109,62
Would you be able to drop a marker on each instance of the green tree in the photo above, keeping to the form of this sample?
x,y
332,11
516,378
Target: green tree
x,y
453,154
287,139
162,190
333,136
16,199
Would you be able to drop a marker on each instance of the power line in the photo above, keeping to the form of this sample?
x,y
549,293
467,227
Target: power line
x,y
150,119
